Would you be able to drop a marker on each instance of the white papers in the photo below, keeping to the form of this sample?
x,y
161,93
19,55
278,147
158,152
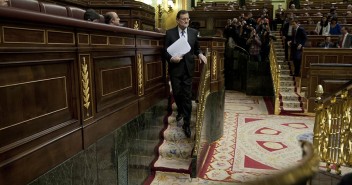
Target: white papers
x,y
179,48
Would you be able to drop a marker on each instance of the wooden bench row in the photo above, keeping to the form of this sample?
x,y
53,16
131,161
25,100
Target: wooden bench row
x,y
322,56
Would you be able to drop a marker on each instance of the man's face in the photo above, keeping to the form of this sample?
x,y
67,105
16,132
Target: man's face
x,y
115,20
294,24
343,30
183,21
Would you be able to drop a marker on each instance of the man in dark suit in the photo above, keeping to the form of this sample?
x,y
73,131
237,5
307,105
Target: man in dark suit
x,y
181,68
345,40
299,38
327,43
287,35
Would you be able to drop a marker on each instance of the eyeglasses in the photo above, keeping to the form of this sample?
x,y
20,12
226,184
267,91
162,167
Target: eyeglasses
x,y
185,19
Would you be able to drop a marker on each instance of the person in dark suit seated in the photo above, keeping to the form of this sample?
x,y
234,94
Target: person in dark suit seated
x,y
299,38
91,15
181,67
327,43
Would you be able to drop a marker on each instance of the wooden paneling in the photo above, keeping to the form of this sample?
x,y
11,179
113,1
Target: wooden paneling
x,y
115,81
23,35
66,83
330,76
64,87
36,163
321,56
57,37
110,122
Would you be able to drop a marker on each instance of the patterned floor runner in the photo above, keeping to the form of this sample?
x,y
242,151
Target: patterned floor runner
x,y
290,100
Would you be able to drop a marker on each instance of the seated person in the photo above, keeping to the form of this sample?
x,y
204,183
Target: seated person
x,y
335,28
323,26
348,14
112,18
333,12
4,2
327,43
318,14
280,9
91,15
349,7
293,7
310,21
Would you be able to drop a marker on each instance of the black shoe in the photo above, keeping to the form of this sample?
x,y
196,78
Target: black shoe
x,y
187,130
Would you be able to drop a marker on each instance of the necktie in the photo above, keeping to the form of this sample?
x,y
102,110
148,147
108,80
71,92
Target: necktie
x,y
183,33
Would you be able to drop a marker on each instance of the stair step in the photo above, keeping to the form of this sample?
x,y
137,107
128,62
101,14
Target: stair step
x,y
286,109
177,165
287,83
172,119
173,150
287,89
175,133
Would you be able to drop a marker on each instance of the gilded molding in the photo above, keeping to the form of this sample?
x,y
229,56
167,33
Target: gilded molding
x,y
85,85
275,74
204,91
214,67
140,74
333,130
136,26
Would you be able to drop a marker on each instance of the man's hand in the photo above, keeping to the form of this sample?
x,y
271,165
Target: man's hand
x,y
299,47
202,58
176,59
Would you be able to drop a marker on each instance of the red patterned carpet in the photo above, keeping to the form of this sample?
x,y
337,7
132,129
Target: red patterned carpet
x,y
254,144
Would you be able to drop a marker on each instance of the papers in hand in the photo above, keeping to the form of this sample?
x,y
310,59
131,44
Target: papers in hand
x,y
179,48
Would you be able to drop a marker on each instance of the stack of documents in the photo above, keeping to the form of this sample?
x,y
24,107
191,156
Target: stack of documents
x,y
179,48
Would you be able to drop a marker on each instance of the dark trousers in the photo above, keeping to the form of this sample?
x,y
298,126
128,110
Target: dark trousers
x,y
288,38
297,64
182,92
297,57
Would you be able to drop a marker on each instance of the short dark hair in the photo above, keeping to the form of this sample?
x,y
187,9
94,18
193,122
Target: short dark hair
x,y
91,15
181,12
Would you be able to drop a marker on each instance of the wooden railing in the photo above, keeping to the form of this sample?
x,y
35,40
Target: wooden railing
x,y
275,74
209,81
333,128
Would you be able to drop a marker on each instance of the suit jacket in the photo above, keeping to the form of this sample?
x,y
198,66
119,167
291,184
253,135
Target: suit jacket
x,y
348,41
299,38
187,62
285,30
